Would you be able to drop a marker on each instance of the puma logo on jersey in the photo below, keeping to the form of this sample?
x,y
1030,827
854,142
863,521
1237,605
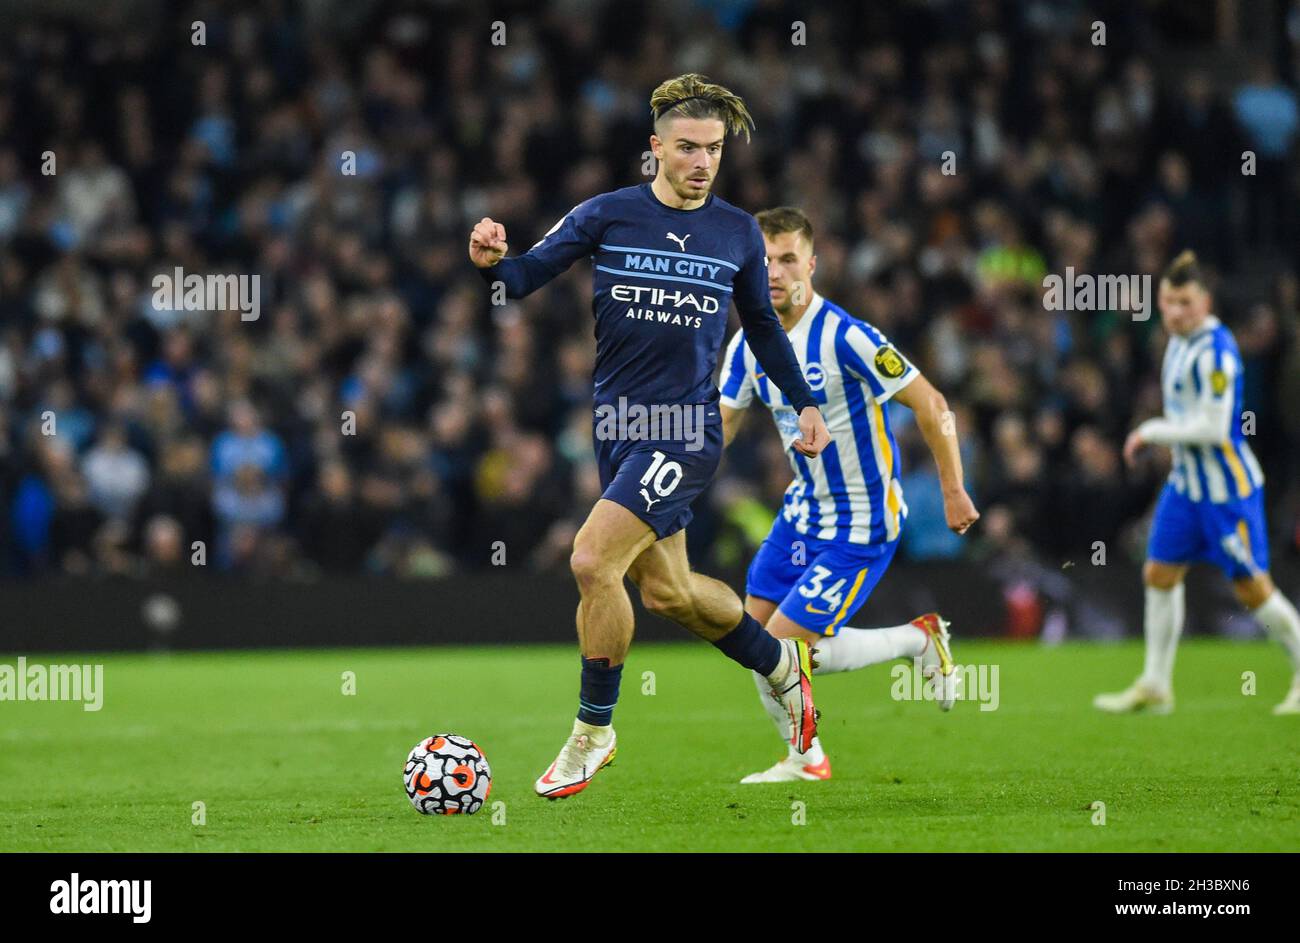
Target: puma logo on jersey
x,y
680,240
649,503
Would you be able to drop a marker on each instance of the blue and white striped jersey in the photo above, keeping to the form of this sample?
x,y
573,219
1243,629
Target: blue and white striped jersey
x,y
1201,380
851,492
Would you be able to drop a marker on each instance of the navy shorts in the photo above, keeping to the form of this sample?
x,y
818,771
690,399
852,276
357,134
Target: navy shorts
x,y
658,480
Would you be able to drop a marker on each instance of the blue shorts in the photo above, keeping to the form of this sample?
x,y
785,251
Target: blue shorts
x,y
658,480
1230,535
821,584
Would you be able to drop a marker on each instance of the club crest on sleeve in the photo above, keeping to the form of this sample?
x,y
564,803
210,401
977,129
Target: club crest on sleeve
x,y
1218,382
889,363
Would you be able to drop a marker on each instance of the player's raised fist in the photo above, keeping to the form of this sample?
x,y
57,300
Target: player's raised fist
x,y
813,434
487,243
960,511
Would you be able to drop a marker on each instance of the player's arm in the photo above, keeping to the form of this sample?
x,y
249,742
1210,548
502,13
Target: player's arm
x,y
731,420
939,429
771,347
868,355
735,388
1208,423
568,240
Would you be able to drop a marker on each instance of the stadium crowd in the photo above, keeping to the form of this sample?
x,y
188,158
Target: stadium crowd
x,y
382,416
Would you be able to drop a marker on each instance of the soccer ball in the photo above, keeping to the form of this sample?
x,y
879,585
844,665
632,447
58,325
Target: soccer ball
x,y
446,775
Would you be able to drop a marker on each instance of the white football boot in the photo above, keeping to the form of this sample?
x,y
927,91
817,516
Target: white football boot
x,y
1291,704
791,769
937,665
793,691
587,751
1141,695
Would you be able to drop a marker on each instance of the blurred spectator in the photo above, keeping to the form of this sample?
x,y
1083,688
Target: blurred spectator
x,y
117,475
335,531
246,444
247,506
1269,115
164,546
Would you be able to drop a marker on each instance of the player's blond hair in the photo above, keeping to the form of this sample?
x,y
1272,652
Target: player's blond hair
x,y
693,96
1183,270
780,219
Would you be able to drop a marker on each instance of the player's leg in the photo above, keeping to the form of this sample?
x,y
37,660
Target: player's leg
x,y
710,609
811,765
775,570
669,588
850,648
603,549
818,596
1164,613
1162,626
762,609
1247,547
774,573
1278,616
925,637
837,583
1176,539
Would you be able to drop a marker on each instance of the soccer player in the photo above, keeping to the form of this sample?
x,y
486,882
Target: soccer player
x,y
842,517
668,255
1212,507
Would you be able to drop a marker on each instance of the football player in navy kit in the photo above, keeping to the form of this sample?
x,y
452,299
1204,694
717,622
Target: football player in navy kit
x,y
667,257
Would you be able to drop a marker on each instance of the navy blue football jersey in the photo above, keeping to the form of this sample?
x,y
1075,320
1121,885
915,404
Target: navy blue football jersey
x,y
663,280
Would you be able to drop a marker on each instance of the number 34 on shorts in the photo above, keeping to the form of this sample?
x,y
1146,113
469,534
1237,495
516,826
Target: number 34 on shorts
x,y
817,584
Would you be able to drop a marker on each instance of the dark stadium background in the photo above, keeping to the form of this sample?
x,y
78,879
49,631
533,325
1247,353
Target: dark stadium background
x,y
472,421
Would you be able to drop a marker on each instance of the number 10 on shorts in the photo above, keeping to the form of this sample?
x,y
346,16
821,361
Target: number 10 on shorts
x,y
662,476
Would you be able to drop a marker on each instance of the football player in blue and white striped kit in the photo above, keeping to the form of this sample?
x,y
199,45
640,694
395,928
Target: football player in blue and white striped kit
x,y
842,517
1212,507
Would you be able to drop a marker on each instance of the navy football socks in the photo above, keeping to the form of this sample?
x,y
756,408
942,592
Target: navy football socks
x,y
599,693
751,645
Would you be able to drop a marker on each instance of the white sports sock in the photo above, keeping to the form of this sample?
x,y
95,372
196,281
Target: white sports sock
x,y
1162,626
599,735
1280,620
814,755
772,706
783,667
850,649
774,710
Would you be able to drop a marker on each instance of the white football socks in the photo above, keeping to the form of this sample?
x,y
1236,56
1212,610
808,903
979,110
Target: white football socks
x,y
598,735
782,722
847,650
781,673
1162,626
1280,620
850,649
772,706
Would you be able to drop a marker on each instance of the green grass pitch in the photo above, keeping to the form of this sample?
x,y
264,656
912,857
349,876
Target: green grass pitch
x,y
283,760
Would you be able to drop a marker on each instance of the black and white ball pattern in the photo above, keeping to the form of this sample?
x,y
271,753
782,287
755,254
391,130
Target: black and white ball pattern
x,y
446,775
